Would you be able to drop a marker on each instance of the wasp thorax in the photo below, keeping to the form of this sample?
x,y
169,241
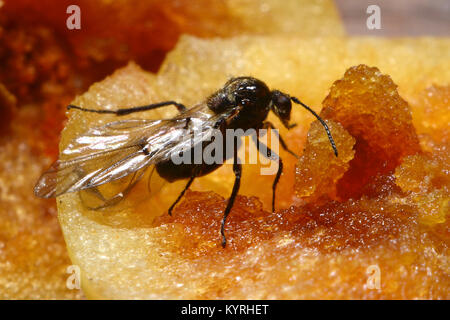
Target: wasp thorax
x,y
247,92
219,102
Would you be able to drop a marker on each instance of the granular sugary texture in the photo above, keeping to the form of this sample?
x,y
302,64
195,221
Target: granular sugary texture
x,y
431,112
318,158
311,251
367,104
330,227
426,180
44,65
307,249
33,254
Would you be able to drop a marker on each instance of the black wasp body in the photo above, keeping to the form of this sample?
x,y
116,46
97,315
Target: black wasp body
x,y
243,103
248,100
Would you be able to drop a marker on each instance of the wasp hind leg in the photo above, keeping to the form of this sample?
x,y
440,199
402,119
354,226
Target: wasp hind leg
x,y
124,111
191,179
95,199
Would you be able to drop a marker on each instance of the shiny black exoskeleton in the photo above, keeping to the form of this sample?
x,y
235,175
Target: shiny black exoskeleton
x,y
250,100
245,103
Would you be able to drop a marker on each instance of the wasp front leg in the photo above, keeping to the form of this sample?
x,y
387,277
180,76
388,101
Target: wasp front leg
x,y
269,154
237,169
269,125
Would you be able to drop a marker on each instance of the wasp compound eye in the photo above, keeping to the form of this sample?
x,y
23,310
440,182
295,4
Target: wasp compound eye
x,y
281,106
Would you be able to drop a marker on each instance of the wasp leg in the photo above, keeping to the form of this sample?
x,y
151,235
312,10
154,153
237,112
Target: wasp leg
x,y
188,121
220,124
270,125
191,179
237,169
269,154
124,111
111,201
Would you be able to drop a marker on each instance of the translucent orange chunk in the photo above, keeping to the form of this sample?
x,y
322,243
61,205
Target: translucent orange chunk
x,y
318,169
328,227
367,104
311,251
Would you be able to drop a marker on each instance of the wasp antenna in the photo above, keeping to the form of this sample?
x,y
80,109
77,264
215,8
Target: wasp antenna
x,y
333,145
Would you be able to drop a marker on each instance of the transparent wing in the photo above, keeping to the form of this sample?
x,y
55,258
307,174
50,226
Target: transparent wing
x,y
90,171
119,148
110,194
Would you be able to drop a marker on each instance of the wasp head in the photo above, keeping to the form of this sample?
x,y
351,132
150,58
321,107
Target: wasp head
x,y
282,106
